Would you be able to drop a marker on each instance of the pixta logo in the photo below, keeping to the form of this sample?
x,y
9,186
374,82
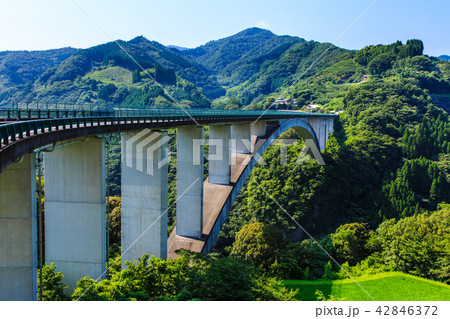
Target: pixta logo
x,y
144,147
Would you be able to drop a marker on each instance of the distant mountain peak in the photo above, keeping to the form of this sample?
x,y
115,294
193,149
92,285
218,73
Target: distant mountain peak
x,y
254,31
444,57
139,39
177,47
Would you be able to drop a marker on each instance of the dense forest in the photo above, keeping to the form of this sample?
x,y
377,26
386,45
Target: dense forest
x,y
378,205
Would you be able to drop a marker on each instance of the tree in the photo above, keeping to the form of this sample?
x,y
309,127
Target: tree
x,y
136,76
114,208
434,192
381,63
147,279
258,244
166,76
225,279
349,242
412,48
152,278
229,278
305,260
418,244
107,91
52,284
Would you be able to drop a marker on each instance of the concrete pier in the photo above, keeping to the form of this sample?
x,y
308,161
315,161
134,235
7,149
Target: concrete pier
x,y
75,210
190,181
219,154
259,128
18,249
144,195
330,129
322,128
241,136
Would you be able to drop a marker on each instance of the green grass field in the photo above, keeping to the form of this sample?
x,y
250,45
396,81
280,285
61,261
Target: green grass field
x,y
115,75
390,286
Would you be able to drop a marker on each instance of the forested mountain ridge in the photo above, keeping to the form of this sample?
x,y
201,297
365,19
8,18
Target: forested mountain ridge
x,y
236,58
21,67
106,73
241,70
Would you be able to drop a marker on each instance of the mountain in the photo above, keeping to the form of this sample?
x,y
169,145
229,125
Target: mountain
x,y
176,47
236,58
251,68
444,57
299,60
109,74
21,67
105,72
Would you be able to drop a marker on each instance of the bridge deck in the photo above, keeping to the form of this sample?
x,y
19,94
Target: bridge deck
x,y
214,197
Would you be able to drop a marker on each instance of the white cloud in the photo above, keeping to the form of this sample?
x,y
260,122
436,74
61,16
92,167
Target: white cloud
x,y
262,24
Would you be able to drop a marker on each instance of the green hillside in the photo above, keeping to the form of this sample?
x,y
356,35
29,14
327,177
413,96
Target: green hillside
x,y
248,69
237,58
391,286
21,67
85,77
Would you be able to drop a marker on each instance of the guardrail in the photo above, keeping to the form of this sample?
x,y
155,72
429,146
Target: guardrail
x,y
39,121
52,112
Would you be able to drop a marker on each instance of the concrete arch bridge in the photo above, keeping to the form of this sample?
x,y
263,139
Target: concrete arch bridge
x,y
73,151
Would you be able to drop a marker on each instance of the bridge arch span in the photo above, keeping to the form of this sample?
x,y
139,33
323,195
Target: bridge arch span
x,y
210,233
306,132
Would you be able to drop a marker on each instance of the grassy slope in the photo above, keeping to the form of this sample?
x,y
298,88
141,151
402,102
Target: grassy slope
x,y
115,75
391,286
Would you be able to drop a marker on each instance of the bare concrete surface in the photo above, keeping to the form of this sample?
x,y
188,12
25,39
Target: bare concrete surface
x,y
214,197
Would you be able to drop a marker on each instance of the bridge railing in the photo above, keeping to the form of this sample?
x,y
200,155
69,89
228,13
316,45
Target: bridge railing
x,y
10,132
21,112
20,123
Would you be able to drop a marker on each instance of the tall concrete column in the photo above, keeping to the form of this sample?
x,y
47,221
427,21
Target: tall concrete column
x,y
144,195
323,133
241,138
18,251
75,210
330,124
259,128
190,181
219,157
314,123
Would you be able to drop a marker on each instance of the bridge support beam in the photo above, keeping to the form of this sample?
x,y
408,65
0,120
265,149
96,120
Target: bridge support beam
x,y
219,154
144,195
241,138
330,128
259,128
18,253
322,127
190,181
75,210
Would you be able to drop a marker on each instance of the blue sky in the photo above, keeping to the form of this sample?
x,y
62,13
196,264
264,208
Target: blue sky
x,y
45,24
